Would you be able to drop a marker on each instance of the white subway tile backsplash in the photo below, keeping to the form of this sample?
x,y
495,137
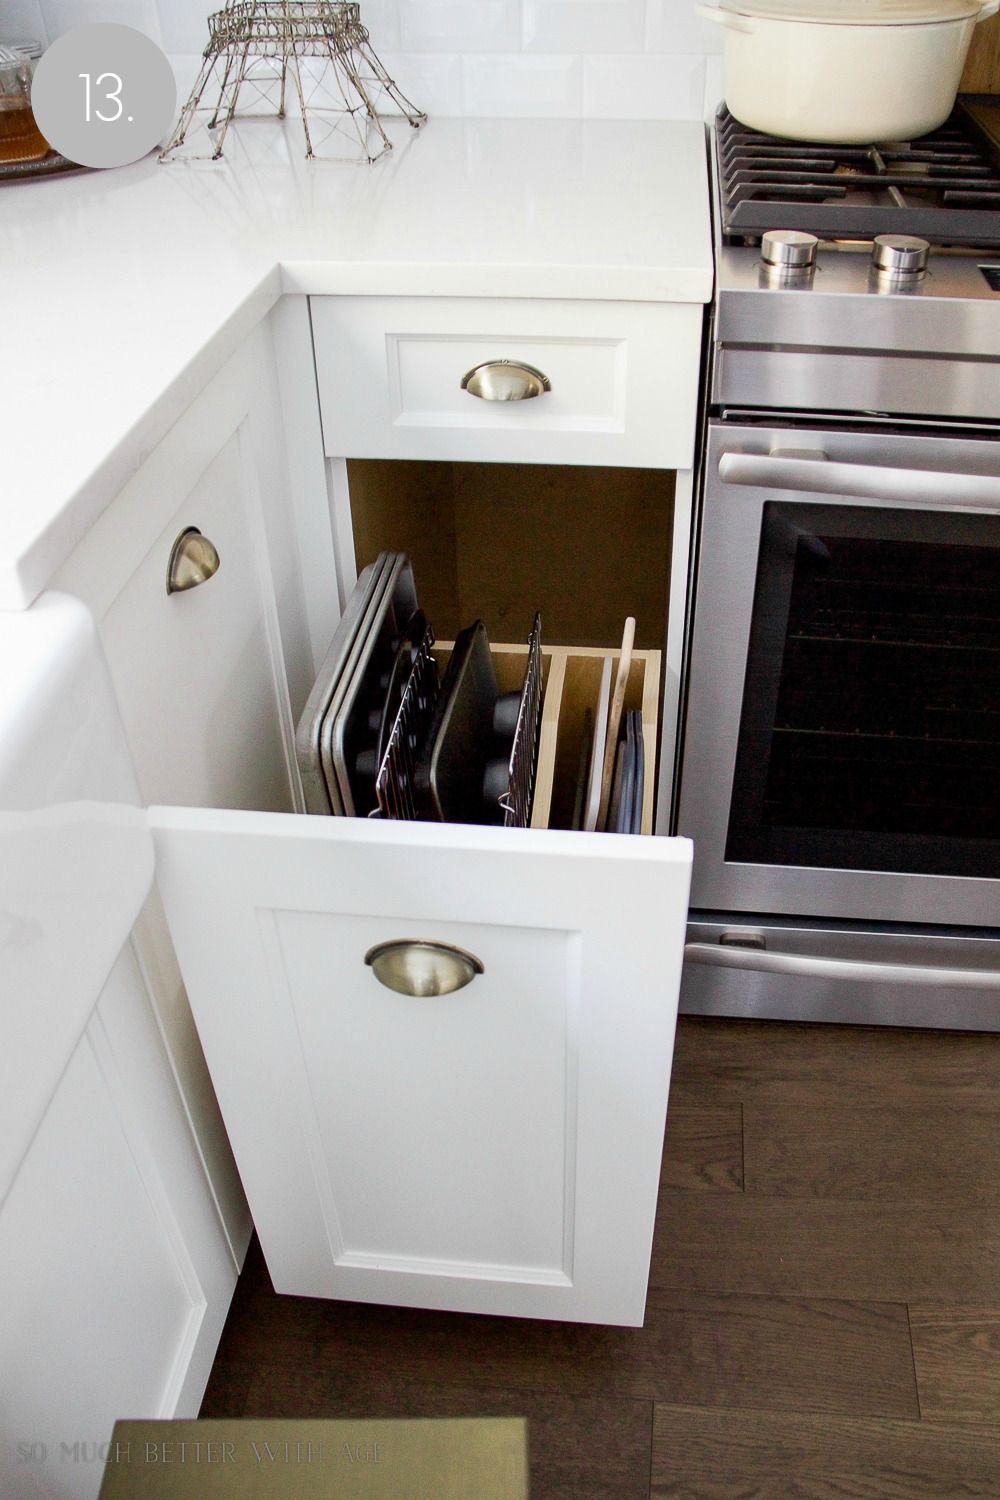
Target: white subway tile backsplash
x,y
21,21
430,80
184,24
673,26
63,15
460,25
644,87
629,59
583,25
715,90
186,66
522,84
381,17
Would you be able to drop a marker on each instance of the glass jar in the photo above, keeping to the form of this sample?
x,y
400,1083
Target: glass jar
x,y
20,137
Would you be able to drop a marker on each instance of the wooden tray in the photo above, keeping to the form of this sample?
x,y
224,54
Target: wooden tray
x,y
46,166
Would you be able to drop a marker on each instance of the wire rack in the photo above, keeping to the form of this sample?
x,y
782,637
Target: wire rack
x,y
516,802
261,51
394,782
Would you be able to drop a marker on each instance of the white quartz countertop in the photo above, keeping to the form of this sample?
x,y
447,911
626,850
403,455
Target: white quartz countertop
x,y
124,291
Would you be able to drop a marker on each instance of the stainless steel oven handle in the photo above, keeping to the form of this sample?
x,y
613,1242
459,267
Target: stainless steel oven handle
x,y
759,961
826,477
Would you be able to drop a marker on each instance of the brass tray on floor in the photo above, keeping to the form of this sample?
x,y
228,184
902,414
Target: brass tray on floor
x,y
465,1458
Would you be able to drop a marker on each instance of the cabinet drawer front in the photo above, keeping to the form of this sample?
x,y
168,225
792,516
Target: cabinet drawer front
x,y
495,1149
623,376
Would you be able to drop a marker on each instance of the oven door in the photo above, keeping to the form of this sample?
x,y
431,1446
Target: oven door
x,y
842,745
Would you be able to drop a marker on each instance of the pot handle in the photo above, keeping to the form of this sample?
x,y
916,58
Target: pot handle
x,y
736,22
989,8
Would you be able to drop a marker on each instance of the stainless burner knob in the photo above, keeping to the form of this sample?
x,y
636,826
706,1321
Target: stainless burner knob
x,y
904,254
790,248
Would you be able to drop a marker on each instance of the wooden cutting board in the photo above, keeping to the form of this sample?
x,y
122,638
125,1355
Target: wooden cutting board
x,y
982,66
475,1458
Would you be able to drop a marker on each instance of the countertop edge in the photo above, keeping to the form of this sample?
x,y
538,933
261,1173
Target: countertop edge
x,y
528,282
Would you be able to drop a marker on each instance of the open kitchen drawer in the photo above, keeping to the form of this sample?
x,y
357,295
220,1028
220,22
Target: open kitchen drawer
x,y
495,1149
492,1150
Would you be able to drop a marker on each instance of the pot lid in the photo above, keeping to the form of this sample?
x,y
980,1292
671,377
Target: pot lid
x,y
857,12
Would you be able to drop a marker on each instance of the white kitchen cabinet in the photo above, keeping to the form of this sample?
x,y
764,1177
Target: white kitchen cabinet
x,y
623,376
204,675
126,1215
116,1270
621,414
495,1151
117,1276
205,679
208,681
125,1222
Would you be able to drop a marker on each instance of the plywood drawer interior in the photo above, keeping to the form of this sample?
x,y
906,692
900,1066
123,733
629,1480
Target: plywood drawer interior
x,y
584,546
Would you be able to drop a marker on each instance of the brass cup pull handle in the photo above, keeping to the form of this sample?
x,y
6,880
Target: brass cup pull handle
x,y
505,380
193,560
411,966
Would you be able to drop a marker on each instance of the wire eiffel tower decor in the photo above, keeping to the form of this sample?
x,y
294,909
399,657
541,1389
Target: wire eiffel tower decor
x,y
320,49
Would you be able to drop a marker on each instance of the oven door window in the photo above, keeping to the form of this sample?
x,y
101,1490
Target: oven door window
x,y
870,727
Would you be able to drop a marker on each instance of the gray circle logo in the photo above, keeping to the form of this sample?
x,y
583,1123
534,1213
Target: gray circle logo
x,y
103,95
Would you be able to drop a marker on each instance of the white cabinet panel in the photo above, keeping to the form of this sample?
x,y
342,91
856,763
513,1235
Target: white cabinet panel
x,y
195,675
494,1150
76,857
129,1042
624,378
103,1304
499,1060
208,681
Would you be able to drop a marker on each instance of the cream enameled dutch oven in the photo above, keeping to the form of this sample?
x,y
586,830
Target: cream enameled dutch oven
x,y
851,71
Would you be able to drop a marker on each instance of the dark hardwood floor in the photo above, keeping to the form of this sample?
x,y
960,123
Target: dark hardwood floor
x,y
823,1319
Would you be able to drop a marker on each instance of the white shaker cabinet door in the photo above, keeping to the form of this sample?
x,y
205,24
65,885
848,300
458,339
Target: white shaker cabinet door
x,y
492,1150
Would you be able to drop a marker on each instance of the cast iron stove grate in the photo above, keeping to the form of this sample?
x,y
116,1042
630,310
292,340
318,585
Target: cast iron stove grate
x,y
943,186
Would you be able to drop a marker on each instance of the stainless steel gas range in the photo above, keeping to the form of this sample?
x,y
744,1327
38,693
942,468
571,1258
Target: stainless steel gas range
x,y
841,756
